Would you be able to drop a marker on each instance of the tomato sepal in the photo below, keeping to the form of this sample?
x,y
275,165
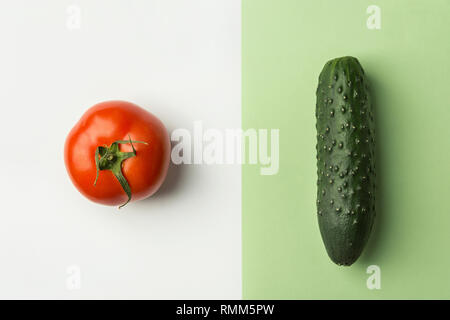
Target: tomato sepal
x,y
111,158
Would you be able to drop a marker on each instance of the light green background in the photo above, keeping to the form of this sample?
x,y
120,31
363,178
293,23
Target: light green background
x,y
285,45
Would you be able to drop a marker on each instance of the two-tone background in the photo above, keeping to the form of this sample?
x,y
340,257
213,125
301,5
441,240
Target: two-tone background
x,y
221,231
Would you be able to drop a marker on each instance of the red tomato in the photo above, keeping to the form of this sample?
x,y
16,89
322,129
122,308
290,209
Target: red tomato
x,y
101,138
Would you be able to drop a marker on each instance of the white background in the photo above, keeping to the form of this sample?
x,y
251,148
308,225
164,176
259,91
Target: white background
x,y
178,59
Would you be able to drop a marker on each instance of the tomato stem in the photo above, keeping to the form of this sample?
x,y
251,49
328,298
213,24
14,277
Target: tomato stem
x,y
111,158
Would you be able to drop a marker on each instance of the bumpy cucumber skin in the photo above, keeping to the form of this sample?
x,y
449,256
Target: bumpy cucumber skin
x,y
345,159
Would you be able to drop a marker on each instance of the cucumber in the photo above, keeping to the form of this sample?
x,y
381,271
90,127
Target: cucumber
x,y
345,159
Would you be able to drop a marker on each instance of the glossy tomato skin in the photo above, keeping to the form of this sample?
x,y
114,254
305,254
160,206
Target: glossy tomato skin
x,y
103,124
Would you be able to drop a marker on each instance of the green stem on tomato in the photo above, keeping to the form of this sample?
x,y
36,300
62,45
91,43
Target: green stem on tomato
x,y
111,158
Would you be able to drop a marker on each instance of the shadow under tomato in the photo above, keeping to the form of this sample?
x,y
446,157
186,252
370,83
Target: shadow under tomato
x,y
172,181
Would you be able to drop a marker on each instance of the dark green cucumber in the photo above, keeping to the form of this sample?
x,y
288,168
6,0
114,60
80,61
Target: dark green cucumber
x,y
345,159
